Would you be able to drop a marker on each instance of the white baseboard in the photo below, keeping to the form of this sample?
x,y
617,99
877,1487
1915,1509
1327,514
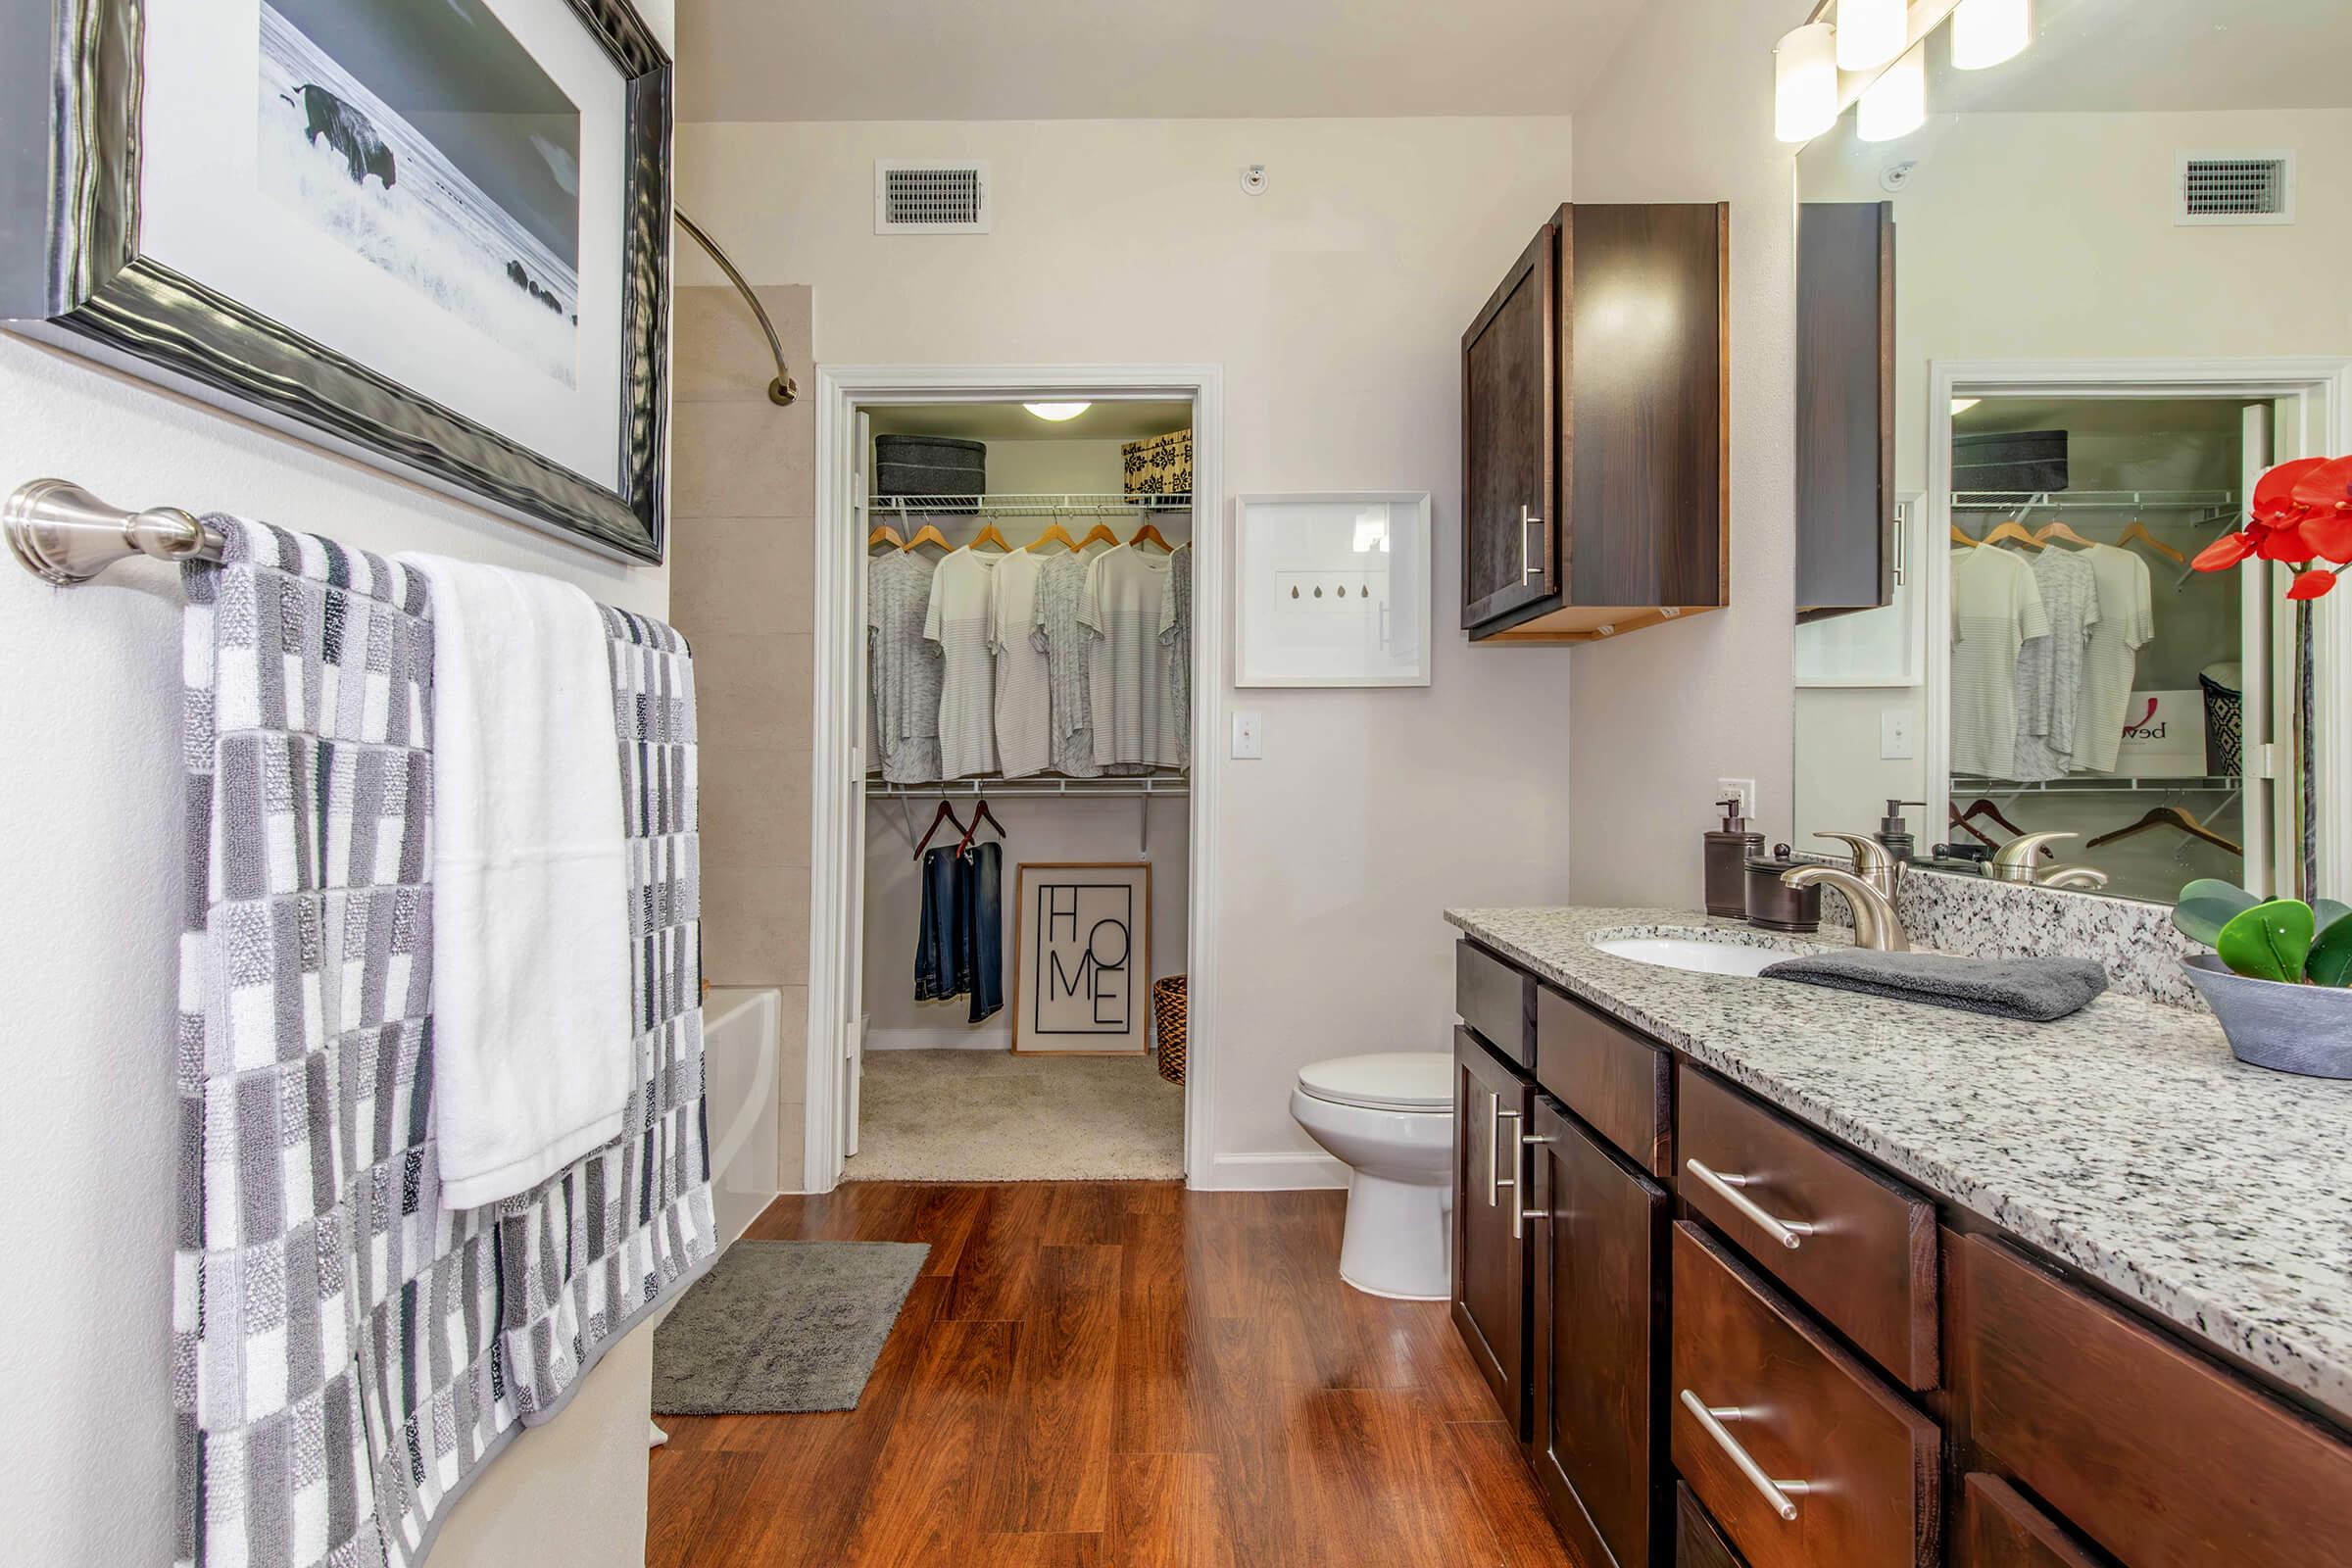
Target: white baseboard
x,y
1286,1171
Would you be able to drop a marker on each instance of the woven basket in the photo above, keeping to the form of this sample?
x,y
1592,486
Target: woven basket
x,y
1169,1010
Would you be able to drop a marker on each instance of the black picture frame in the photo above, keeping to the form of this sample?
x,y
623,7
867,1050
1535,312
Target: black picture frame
x,y
71,273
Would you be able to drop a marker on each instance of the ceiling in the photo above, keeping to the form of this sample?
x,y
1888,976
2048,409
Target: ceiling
x,y
2111,416
2129,56
1174,59
1010,422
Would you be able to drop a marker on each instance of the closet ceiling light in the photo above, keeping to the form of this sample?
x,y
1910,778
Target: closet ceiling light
x,y
1870,33
1057,412
1897,104
1804,75
1985,32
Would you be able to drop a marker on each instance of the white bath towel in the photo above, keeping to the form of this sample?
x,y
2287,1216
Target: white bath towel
x,y
531,1041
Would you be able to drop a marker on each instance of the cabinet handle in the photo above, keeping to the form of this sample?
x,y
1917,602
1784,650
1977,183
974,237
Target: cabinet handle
x,y
1529,565
1711,1419
1790,1233
1497,1181
1520,1215
1903,541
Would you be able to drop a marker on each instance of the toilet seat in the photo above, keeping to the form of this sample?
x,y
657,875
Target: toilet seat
x,y
1399,1081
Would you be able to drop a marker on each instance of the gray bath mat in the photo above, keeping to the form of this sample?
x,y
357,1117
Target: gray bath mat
x,y
780,1326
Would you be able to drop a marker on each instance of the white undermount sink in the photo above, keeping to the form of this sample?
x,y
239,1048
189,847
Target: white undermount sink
x,y
1699,958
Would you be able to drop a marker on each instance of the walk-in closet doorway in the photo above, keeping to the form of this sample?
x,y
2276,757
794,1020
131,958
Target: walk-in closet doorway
x,y
858,974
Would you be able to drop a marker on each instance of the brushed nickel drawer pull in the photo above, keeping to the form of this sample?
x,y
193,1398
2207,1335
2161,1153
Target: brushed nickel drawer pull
x,y
1711,1419
1790,1233
1529,565
1521,1214
1497,1181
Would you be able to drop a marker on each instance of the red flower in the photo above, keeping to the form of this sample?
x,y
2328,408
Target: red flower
x,y
2324,495
2224,552
2311,584
2300,512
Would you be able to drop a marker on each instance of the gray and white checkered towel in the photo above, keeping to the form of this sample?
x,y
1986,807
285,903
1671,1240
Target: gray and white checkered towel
x,y
348,1357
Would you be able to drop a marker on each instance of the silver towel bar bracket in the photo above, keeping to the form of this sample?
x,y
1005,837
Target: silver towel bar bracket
x,y
63,534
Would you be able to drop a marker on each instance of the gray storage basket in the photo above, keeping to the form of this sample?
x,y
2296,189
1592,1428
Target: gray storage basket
x,y
930,466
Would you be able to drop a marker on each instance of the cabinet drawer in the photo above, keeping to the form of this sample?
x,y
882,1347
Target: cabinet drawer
x,y
1498,1001
1697,1544
1858,1247
2160,1459
1762,1398
1611,1077
1998,1529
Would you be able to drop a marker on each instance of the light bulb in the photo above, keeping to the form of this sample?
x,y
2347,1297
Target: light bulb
x,y
1804,83
1057,412
1870,33
1985,32
1897,104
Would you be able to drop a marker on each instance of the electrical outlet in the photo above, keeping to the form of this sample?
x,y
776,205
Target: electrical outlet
x,y
1894,734
1744,788
1247,743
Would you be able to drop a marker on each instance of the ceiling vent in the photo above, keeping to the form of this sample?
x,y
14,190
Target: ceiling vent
x,y
2236,188
930,198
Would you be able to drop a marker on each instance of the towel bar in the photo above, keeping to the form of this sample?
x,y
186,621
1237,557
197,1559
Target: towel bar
x,y
63,534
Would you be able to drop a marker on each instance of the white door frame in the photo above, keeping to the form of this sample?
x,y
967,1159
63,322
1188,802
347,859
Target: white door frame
x,y
837,855
2323,388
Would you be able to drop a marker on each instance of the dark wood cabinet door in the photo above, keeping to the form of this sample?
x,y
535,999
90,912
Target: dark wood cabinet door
x,y
1598,1342
1491,1104
1999,1529
1510,388
1697,1544
1846,548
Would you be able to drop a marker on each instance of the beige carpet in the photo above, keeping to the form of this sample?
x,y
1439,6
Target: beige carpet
x,y
991,1116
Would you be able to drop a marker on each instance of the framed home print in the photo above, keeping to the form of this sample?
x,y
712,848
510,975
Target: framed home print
x,y
433,236
1082,958
1332,588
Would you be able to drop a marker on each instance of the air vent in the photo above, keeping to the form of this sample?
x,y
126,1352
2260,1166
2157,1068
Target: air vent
x,y
930,198
2238,188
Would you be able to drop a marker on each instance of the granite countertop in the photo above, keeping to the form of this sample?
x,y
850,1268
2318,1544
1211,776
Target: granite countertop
x,y
2125,1139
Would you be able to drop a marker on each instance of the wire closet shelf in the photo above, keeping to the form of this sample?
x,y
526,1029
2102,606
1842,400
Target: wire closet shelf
x,y
1046,504
2224,501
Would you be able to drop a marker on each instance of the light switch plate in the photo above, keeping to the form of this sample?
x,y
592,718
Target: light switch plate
x,y
1895,740
1247,744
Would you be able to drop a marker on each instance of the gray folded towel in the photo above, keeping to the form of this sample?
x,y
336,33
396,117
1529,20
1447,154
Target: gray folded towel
x,y
2037,990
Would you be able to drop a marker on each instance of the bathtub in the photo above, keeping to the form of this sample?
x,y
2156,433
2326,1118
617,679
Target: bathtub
x,y
740,1034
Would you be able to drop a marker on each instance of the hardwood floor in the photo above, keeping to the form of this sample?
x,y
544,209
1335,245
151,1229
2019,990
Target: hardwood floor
x,y
1114,1375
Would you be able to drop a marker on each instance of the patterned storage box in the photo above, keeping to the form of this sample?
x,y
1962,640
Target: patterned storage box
x,y
1169,1011
1161,466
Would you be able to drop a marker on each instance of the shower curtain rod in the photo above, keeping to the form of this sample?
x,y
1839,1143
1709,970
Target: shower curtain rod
x,y
783,389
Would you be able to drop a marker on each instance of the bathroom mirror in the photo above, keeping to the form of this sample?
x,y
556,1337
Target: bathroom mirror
x,y
2050,332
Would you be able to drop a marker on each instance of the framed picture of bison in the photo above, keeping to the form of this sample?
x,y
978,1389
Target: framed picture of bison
x,y
432,235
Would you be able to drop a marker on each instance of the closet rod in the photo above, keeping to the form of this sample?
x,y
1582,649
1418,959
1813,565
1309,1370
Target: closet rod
x,y
1041,504
783,389
63,534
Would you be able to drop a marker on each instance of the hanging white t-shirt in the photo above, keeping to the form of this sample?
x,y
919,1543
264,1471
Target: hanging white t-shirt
x,y
904,716
1024,697
2127,623
1996,610
2049,670
1127,666
963,595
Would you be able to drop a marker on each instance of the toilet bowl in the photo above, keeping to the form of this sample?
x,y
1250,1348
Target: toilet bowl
x,y
1390,1121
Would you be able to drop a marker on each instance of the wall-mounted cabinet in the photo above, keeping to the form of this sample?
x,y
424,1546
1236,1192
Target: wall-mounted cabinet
x,y
1846,541
1595,430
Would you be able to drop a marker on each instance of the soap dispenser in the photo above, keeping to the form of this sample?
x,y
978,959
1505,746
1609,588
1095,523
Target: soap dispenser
x,y
1895,832
1727,854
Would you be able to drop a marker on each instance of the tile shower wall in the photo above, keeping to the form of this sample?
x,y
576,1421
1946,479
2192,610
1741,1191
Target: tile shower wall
x,y
743,500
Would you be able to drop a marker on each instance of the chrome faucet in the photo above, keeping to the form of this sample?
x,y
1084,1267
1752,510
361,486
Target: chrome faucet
x,y
2013,862
1869,888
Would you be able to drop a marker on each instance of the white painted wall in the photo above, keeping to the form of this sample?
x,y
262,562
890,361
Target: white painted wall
x,y
90,702
1684,112
1335,302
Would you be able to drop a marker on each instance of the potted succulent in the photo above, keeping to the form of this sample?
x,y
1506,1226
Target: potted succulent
x,y
2279,977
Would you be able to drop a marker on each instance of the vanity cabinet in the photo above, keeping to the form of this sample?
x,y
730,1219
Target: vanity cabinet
x,y
1599,1369
1594,427
1491,1106
1848,549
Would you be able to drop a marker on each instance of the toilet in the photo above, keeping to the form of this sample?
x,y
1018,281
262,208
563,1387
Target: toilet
x,y
1389,1119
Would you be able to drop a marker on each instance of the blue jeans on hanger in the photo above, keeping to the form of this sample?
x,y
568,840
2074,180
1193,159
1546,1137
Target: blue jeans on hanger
x,y
938,945
980,894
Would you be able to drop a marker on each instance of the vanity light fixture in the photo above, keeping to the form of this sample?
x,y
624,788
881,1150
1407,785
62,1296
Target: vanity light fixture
x,y
1805,86
1870,33
1897,104
1985,32
1057,412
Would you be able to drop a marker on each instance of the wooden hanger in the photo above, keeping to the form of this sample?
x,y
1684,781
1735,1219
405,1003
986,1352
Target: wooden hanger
x,y
2059,530
2168,816
1101,534
928,535
2139,533
983,814
884,534
1964,540
1055,533
1149,535
1974,831
2013,530
988,535
946,814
